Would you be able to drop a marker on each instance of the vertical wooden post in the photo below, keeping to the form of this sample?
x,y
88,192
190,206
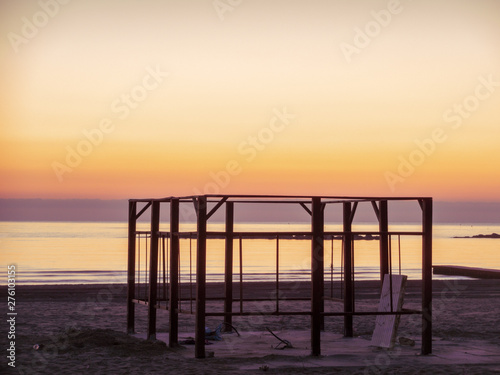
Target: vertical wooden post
x,y
201,264
153,270
132,212
348,287
277,288
240,250
173,306
384,240
427,276
317,275
228,269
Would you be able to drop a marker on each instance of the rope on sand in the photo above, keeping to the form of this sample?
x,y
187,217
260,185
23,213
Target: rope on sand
x,y
285,343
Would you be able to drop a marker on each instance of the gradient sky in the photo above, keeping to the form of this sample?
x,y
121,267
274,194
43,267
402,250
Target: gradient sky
x,y
353,120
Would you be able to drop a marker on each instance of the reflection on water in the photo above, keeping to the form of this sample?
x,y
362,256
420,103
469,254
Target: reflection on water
x,y
97,252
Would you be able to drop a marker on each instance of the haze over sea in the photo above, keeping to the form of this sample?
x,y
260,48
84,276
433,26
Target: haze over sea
x,y
96,252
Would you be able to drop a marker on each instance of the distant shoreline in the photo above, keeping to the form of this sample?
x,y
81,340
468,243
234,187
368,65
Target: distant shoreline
x,y
492,235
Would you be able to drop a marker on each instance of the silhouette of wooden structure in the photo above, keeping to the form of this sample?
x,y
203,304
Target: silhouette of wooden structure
x,y
160,289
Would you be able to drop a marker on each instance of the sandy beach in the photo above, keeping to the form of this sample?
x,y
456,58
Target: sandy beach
x,y
67,329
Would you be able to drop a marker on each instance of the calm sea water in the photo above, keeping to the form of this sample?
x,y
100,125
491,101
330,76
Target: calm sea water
x,y
74,253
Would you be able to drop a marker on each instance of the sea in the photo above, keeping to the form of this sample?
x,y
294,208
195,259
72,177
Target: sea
x,y
96,252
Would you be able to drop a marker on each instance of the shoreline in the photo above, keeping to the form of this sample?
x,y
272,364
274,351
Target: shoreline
x,y
365,288
475,273
365,274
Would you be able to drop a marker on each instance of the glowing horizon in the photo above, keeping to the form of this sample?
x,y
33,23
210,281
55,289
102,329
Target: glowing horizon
x,y
111,100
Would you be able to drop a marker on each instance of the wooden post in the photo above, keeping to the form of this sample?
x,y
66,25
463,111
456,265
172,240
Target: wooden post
x,y
228,270
317,275
348,287
384,240
201,264
132,212
427,276
153,270
173,306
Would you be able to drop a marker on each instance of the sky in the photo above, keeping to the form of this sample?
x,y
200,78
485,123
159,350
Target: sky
x,y
131,99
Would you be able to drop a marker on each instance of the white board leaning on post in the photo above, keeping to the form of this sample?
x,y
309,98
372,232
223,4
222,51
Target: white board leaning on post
x,y
386,326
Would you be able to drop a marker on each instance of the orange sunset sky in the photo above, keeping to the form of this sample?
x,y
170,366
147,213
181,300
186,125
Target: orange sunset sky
x,y
119,99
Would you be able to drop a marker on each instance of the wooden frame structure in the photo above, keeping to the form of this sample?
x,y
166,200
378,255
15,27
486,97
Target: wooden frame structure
x,y
314,206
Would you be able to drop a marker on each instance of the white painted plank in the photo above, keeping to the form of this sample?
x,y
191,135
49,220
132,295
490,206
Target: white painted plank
x,y
386,326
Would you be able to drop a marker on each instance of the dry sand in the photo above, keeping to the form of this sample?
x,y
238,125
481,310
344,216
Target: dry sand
x,y
81,329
